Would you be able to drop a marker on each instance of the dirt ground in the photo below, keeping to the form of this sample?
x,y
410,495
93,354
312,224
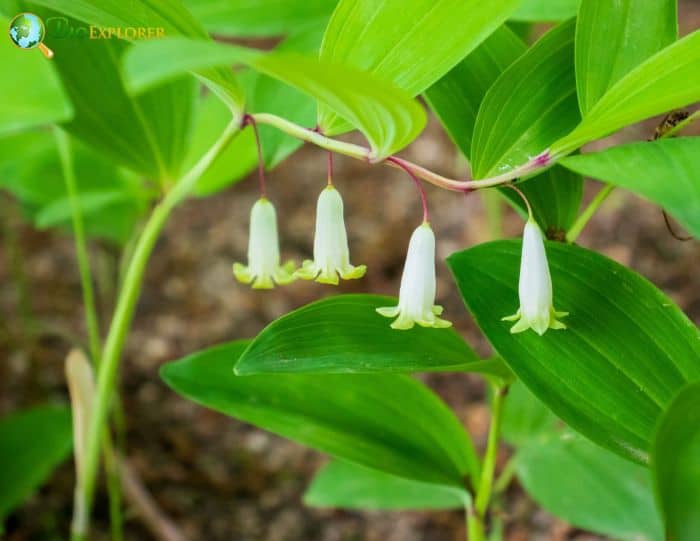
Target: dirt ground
x,y
219,479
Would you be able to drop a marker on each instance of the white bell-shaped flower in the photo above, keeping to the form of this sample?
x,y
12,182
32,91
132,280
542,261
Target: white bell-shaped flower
x,y
536,310
264,269
417,292
331,253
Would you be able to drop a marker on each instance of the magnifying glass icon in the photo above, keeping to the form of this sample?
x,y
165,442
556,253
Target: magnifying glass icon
x,y
27,31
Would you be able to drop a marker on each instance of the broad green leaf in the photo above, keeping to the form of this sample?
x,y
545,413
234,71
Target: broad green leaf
x,y
545,10
32,443
676,465
388,422
149,64
613,38
589,487
663,171
530,105
349,486
146,134
257,18
627,350
555,195
555,198
525,417
455,98
168,15
668,80
387,117
344,334
30,169
32,94
270,95
411,43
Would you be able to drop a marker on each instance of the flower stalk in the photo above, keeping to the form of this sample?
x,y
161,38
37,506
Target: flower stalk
x,y
534,164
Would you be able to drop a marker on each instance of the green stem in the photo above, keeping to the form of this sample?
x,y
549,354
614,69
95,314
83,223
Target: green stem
x,y
311,136
356,151
93,327
476,514
91,319
124,310
475,526
583,218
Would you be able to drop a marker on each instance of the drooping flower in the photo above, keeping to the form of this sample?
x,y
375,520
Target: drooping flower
x,y
536,310
264,267
417,291
331,253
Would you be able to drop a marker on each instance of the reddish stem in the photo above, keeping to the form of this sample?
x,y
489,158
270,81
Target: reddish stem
x,y
423,197
330,168
250,120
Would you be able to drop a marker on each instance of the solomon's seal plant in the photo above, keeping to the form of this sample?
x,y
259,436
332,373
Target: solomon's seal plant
x,y
264,269
536,310
417,293
124,133
331,252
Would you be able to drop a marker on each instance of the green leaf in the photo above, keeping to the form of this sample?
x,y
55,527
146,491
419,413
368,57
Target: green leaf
x,y
270,95
626,352
32,95
168,15
530,105
456,97
589,487
545,10
32,443
257,18
349,486
344,334
668,80
663,171
30,169
610,41
146,134
388,117
555,195
411,43
388,422
555,198
676,464
525,417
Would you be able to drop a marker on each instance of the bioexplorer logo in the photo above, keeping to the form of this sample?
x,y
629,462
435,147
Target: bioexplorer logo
x,y
27,31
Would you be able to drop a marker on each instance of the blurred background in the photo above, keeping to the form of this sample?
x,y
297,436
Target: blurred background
x,y
216,478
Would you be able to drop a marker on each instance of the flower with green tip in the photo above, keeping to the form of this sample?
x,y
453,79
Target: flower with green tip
x,y
264,269
536,310
417,291
331,253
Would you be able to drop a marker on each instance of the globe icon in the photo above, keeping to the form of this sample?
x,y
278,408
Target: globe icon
x,y
27,30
